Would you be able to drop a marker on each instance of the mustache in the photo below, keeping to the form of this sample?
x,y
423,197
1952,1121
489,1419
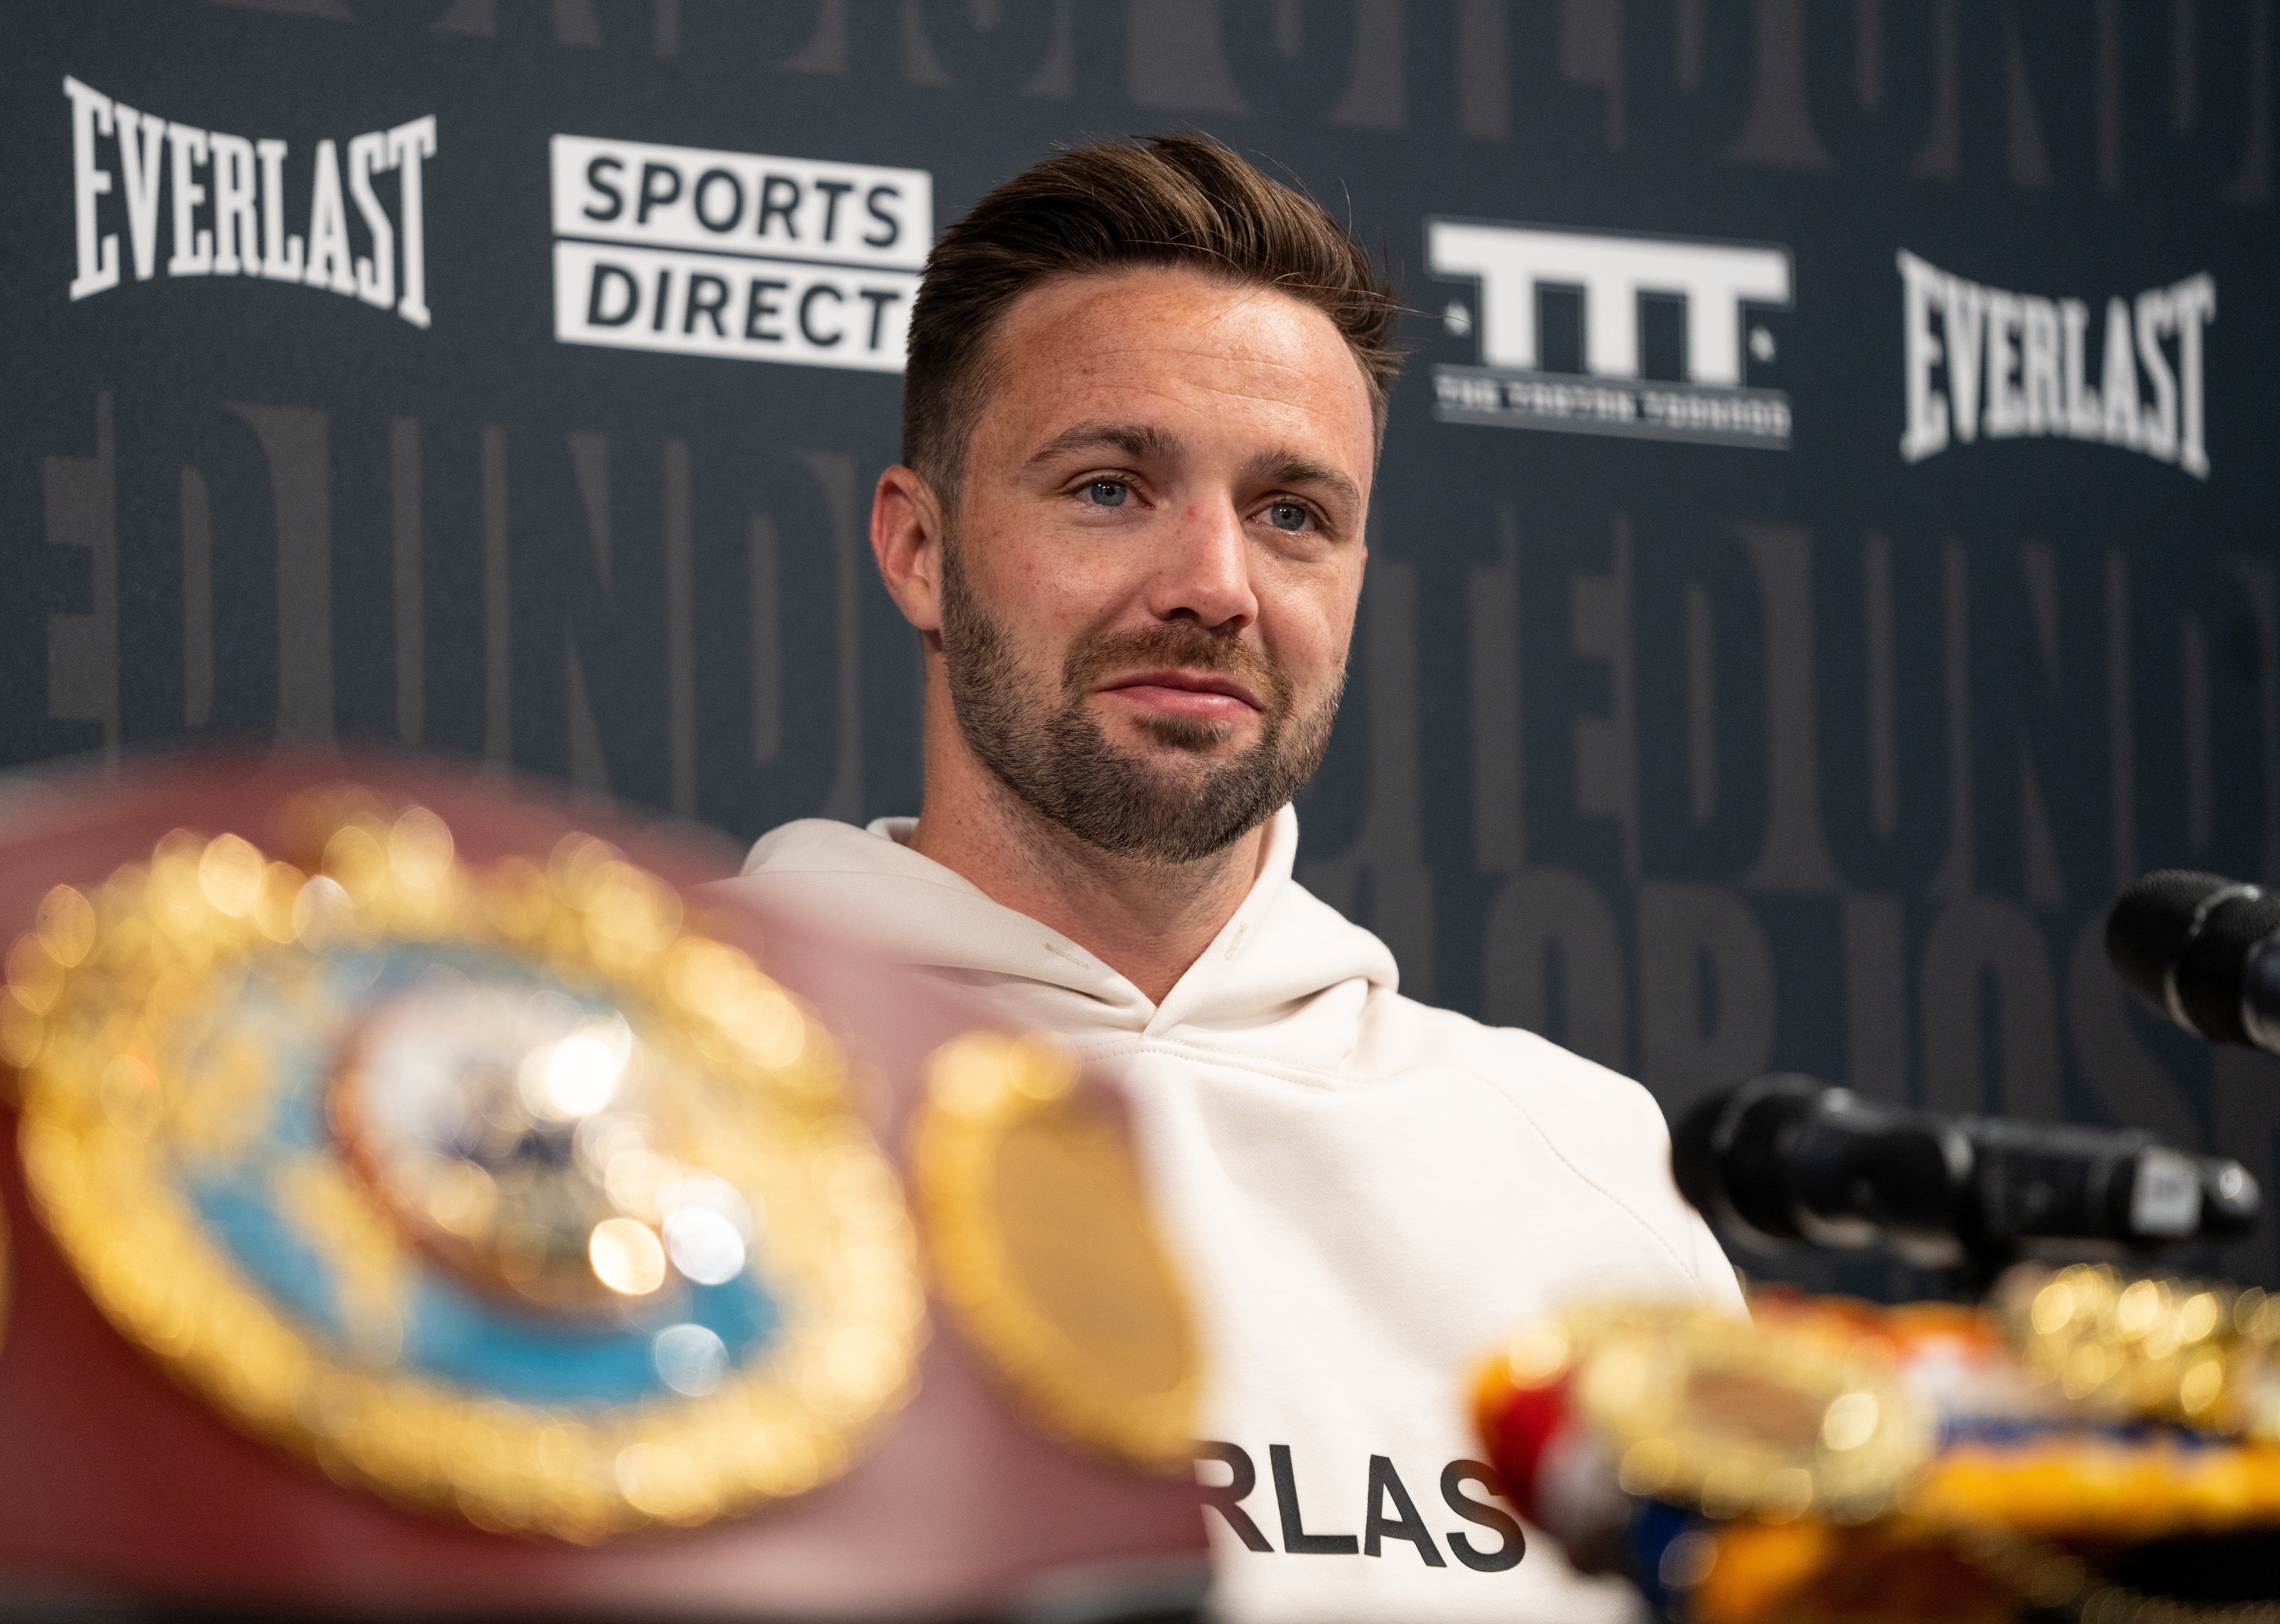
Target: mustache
x,y
1176,644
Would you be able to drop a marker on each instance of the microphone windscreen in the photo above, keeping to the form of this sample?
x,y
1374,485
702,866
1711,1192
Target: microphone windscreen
x,y
1694,1155
1727,1155
2150,925
2215,966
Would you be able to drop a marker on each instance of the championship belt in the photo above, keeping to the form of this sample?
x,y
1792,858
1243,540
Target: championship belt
x,y
486,1169
1043,1244
2202,1353
1828,1461
1612,1407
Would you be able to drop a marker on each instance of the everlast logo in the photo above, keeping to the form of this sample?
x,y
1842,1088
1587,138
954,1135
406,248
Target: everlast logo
x,y
1490,1542
735,254
227,208
1617,276
2009,365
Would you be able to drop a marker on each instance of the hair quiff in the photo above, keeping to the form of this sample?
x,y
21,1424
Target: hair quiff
x,y
1173,200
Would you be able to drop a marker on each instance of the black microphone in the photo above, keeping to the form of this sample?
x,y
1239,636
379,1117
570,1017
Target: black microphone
x,y
2203,951
1785,1160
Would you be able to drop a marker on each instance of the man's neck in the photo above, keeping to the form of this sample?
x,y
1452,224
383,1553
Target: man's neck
x,y
1147,921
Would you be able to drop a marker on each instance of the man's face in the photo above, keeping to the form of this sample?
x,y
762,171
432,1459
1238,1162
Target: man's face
x,y
1148,583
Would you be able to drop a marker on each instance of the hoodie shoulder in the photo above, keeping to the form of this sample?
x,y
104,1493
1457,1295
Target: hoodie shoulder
x,y
1605,1116
825,845
1603,1127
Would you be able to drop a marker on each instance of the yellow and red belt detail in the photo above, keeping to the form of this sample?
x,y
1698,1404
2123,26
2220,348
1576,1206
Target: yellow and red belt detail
x,y
1830,1460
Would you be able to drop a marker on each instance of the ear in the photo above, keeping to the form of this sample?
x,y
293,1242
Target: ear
x,y
907,531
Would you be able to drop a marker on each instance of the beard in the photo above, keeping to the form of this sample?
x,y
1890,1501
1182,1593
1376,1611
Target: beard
x,y
1056,759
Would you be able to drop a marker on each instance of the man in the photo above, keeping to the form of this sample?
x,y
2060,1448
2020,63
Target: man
x,y
1145,394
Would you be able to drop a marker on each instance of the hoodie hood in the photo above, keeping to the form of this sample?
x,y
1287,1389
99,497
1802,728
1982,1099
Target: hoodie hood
x,y
1282,951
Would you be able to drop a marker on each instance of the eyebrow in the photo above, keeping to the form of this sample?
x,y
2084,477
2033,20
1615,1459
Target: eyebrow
x,y
1135,440
1287,468
1140,440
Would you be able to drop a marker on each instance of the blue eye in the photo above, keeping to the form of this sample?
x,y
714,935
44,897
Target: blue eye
x,y
1108,493
1286,516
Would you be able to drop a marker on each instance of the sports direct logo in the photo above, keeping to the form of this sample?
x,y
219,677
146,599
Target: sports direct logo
x,y
1712,284
736,254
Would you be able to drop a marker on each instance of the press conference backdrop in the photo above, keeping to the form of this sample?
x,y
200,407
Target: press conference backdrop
x,y
1824,544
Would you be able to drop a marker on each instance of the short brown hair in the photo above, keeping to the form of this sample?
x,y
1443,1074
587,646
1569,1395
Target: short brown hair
x,y
1174,200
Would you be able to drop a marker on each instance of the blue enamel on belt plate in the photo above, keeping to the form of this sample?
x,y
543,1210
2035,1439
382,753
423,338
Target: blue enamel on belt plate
x,y
493,1190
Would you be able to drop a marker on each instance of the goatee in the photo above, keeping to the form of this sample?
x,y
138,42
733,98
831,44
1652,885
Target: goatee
x,y
1057,760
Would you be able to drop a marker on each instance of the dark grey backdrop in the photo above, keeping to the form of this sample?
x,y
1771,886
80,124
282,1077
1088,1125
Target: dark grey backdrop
x,y
1701,759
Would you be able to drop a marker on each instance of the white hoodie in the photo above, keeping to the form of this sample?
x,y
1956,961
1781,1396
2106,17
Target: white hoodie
x,y
1368,1195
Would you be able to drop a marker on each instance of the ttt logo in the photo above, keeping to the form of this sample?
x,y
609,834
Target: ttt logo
x,y
1631,289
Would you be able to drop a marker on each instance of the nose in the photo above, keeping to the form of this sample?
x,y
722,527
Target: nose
x,y
1204,575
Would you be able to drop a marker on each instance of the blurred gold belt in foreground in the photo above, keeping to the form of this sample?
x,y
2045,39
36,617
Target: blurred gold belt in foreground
x,y
501,1190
